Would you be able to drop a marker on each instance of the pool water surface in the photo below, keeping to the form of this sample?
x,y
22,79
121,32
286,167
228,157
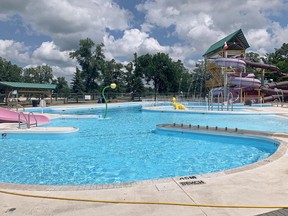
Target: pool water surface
x,y
126,147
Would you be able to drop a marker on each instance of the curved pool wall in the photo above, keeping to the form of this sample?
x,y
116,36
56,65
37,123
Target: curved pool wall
x,y
262,143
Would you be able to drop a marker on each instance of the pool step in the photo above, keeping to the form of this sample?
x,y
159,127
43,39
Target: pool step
x,y
219,129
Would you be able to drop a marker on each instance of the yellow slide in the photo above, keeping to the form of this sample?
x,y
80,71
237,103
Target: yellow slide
x,y
177,106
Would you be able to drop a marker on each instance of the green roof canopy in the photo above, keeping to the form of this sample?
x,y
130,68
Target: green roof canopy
x,y
235,41
28,85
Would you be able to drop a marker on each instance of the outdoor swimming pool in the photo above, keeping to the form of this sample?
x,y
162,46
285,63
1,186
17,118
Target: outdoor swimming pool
x,y
127,148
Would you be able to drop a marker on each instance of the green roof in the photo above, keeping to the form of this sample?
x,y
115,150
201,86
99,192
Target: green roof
x,y
236,41
28,85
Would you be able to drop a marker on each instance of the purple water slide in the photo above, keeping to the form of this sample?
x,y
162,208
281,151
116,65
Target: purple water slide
x,y
260,65
275,88
230,62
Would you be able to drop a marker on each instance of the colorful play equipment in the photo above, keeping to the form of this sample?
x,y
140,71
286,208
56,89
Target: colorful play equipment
x,y
248,83
226,65
177,106
112,86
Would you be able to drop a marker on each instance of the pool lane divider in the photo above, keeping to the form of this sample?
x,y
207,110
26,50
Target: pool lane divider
x,y
216,129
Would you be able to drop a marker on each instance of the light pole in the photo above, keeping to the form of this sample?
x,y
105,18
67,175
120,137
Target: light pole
x,y
112,86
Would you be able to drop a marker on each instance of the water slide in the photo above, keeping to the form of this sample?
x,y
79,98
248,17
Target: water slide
x,y
247,82
260,65
10,116
273,89
239,66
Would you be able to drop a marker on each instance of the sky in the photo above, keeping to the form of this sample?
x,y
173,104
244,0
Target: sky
x,y
38,32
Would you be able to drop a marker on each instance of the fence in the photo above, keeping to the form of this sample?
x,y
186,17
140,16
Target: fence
x,y
58,99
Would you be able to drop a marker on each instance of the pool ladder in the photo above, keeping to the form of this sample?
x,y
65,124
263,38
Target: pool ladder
x,y
27,120
220,101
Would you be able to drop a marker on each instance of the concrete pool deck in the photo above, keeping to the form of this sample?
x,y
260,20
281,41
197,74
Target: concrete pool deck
x,y
263,185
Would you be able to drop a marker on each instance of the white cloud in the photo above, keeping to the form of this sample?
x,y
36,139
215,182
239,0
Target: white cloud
x,y
13,50
68,21
194,25
259,38
133,41
67,72
49,52
201,23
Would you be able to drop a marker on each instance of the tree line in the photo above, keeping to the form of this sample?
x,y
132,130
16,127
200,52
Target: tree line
x,y
156,73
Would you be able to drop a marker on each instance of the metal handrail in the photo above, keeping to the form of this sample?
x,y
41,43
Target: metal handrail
x,y
275,101
19,120
29,122
210,100
280,97
228,101
218,101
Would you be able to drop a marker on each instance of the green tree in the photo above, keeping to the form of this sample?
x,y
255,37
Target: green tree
x,y
113,73
40,74
9,72
254,57
77,82
279,58
92,61
133,81
61,86
160,71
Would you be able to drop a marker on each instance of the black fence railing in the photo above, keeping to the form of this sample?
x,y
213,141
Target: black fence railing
x,y
111,97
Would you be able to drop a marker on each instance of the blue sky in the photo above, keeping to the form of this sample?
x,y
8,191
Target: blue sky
x,y
36,32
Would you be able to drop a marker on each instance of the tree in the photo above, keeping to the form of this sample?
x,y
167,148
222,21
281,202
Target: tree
x,y
113,73
61,86
91,59
133,81
9,72
160,71
279,58
77,82
40,74
254,57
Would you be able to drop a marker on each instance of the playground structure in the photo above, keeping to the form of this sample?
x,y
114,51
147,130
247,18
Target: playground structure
x,y
230,81
242,83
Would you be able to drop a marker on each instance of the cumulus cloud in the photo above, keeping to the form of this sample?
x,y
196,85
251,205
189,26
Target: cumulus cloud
x,y
13,50
201,23
60,62
68,21
133,41
67,72
49,52
183,29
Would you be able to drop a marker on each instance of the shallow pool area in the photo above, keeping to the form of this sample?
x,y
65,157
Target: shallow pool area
x,y
127,147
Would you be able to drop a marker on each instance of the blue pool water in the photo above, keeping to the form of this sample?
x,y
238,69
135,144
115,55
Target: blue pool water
x,y
127,148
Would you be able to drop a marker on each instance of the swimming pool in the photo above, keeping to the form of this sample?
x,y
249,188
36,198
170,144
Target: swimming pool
x,y
126,148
